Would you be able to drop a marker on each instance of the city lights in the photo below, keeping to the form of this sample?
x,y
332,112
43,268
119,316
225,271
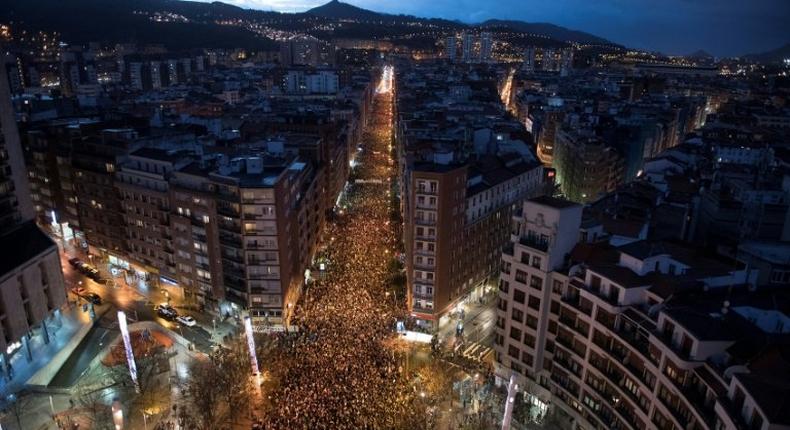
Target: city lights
x,y
251,345
127,345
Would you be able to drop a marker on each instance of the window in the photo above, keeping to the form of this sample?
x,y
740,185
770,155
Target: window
x,y
529,340
518,296
517,315
521,276
513,351
536,261
534,303
631,386
536,282
525,257
515,334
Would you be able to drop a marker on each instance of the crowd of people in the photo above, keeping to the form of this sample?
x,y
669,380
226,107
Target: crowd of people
x,y
337,372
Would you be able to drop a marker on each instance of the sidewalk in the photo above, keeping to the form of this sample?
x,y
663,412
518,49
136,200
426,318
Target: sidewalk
x,y
61,327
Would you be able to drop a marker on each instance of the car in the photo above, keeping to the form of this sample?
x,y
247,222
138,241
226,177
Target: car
x,y
93,298
186,320
78,291
167,314
75,262
166,311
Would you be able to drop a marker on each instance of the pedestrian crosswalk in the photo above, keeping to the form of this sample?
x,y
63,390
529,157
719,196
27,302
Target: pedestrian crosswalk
x,y
476,351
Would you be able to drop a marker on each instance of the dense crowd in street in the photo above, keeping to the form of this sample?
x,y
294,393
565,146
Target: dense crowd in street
x,y
337,373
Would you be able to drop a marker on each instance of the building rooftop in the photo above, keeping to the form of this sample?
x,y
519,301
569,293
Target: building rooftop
x,y
553,202
28,242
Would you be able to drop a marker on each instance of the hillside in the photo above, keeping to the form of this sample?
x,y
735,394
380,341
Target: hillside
x,y
194,24
338,10
773,56
546,29
82,21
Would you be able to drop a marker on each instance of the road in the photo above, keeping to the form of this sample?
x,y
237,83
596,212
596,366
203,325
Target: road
x,y
137,306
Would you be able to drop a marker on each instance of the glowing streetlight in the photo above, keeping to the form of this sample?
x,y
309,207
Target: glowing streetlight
x,y
251,345
127,345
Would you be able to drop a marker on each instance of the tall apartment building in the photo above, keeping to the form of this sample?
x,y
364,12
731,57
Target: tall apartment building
x,y
142,180
486,46
31,282
585,165
648,335
529,59
552,120
457,219
268,229
467,47
450,48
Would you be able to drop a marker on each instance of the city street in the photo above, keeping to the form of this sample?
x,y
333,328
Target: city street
x,y
339,374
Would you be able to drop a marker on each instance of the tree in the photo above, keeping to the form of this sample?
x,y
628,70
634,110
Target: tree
x,y
94,399
235,382
16,406
202,395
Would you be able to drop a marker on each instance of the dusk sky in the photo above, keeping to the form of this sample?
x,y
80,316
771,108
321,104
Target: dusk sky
x,y
721,27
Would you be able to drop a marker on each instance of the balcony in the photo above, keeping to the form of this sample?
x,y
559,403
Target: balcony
x,y
734,413
567,365
227,211
574,301
666,339
230,240
421,221
534,242
639,343
679,417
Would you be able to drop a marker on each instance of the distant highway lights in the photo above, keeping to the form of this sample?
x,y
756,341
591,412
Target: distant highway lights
x,y
127,345
251,345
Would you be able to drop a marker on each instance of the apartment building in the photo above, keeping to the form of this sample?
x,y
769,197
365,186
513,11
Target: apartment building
x,y
585,165
647,335
142,180
31,282
268,227
457,219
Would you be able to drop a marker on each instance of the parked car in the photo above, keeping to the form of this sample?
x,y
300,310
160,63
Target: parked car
x,y
186,320
166,311
75,262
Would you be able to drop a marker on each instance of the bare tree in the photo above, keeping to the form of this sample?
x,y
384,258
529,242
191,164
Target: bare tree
x,y
15,406
202,393
235,382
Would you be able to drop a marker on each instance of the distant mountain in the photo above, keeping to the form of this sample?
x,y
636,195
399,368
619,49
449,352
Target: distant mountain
x,y
114,21
338,10
194,24
773,56
700,55
551,30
